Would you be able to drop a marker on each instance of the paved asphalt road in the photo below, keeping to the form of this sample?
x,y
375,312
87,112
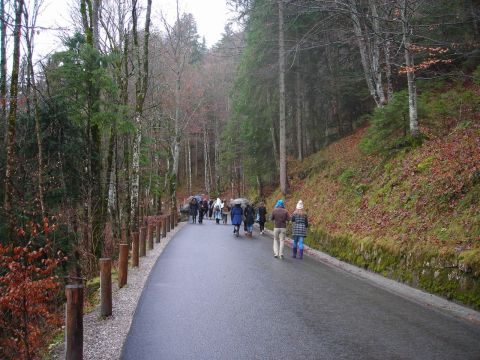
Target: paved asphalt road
x,y
214,296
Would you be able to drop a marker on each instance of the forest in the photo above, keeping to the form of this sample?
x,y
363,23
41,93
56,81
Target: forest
x,y
135,113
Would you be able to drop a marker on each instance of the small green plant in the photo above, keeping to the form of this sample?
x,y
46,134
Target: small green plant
x,y
425,164
388,126
346,177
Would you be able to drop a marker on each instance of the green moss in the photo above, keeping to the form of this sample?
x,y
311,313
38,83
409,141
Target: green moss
x,y
361,189
421,266
425,164
470,261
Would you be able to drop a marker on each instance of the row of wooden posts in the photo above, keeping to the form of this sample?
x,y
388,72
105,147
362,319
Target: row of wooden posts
x,y
141,242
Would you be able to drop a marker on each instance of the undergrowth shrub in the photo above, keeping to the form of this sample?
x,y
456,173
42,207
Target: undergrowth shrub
x,y
446,110
389,127
29,293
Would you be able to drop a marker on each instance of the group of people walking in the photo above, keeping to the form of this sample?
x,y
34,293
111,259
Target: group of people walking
x,y
201,209
249,216
219,210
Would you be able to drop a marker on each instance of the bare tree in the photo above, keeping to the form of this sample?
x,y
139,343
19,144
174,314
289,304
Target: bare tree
x,y
29,37
12,116
141,86
3,66
281,87
407,11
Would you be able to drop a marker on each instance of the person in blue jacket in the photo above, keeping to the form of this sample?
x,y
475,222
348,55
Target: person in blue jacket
x,y
236,216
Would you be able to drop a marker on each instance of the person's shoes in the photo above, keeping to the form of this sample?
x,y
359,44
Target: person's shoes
x,y
294,255
281,257
300,254
275,256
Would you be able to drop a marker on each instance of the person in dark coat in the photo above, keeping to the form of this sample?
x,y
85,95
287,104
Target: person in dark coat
x,y
236,216
210,208
262,216
202,211
249,214
194,210
280,217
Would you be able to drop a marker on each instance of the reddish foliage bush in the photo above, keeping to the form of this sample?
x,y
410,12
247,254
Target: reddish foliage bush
x,y
29,293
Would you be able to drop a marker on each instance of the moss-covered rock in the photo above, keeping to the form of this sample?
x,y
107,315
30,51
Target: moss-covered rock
x,y
454,276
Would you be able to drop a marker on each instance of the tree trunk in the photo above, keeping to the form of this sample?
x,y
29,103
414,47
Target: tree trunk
x,y
206,159
38,131
189,167
376,69
388,69
475,16
126,143
111,180
298,111
281,88
12,118
371,77
410,69
97,5
217,155
140,92
136,173
3,72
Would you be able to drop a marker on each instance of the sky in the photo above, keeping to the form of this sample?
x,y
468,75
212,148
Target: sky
x,y
211,17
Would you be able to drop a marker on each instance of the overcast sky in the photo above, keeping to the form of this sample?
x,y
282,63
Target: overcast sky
x,y
211,17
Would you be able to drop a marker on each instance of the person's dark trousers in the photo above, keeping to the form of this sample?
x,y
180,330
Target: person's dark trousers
x,y
262,225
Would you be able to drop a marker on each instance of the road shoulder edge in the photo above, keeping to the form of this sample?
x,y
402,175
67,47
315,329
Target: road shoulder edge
x,y
418,296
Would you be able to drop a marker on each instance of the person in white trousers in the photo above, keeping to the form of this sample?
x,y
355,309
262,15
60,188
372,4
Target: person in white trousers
x,y
279,217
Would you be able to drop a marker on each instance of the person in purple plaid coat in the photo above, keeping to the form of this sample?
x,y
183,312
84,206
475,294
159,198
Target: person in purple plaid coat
x,y
299,229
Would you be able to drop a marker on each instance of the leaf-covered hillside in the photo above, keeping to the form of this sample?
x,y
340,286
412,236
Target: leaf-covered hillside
x,y
419,199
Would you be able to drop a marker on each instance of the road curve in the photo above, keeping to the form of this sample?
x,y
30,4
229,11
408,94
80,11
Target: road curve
x,y
214,296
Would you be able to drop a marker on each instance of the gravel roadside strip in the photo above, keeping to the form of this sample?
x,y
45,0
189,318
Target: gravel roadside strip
x,y
103,338
416,295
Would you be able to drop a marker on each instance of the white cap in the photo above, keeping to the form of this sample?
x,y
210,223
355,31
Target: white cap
x,y
300,205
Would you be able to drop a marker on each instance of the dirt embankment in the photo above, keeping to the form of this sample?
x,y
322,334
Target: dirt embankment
x,y
414,216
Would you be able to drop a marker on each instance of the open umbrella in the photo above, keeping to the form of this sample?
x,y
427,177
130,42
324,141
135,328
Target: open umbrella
x,y
242,201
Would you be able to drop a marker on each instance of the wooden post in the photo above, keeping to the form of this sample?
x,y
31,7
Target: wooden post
x,y
143,241
164,226
74,322
168,222
105,287
150,237
123,265
158,231
135,248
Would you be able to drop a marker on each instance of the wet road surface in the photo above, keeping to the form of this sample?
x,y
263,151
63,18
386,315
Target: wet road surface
x,y
214,296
